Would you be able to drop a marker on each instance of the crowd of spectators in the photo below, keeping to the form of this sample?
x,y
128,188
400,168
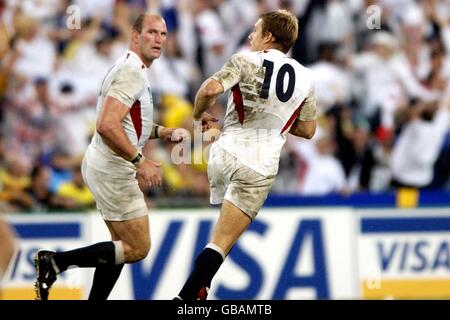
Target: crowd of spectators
x,y
381,71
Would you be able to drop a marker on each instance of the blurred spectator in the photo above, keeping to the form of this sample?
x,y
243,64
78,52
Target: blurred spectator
x,y
30,40
418,145
321,172
375,165
331,82
14,182
92,62
76,120
327,21
441,179
43,200
172,74
184,165
76,191
175,111
4,40
30,121
381,91
61,164
289,170
212,50
333,23
100,9
42,10
237,17
360,146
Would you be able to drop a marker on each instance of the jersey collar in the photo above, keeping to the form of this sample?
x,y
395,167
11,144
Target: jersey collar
x,y
275,50
132,55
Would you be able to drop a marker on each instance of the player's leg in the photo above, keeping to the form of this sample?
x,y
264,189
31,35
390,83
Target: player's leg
x,y
122,203
244,196
133,245
220,168
105,277
49,264
131,228
6,246
231,224
135,236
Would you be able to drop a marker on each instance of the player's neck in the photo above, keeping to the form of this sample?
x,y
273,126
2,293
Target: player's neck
x,y
145,61
270,47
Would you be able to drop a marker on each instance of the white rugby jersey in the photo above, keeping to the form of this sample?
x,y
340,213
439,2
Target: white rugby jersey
x,y
127,82
268,92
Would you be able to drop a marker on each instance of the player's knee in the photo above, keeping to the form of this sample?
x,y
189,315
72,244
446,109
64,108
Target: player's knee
x,y
140,252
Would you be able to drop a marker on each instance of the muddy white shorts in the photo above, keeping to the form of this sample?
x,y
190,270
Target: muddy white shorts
x,y
117,198
231,180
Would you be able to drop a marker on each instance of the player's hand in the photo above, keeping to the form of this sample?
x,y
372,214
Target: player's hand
x,y
205,120
148,171
175,135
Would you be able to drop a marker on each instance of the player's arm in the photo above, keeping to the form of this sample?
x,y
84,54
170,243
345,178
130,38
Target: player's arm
x,y
7,240
125,89
206,96
123,92
168,134
303,129
217,84
204,99
305,125
109,126
157,131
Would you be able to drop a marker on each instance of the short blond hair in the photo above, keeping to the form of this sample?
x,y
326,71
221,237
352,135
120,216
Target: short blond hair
x,y
283,25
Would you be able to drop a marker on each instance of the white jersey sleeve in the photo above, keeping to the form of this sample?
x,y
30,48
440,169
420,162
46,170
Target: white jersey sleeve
x,y
308,111
230,73
127,85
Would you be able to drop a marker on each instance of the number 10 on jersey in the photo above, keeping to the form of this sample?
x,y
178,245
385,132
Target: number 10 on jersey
x,y
282,95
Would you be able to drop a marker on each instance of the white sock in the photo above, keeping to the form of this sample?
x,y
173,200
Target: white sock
x,y
119,252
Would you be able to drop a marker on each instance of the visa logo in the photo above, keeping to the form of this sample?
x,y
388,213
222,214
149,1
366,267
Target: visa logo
x,y
413,256
146,278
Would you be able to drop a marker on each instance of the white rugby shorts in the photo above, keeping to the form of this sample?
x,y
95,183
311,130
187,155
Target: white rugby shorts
x,y
231,180
117,198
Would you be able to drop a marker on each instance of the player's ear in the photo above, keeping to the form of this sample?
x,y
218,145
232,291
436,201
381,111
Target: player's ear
x,y
269,38
134,36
